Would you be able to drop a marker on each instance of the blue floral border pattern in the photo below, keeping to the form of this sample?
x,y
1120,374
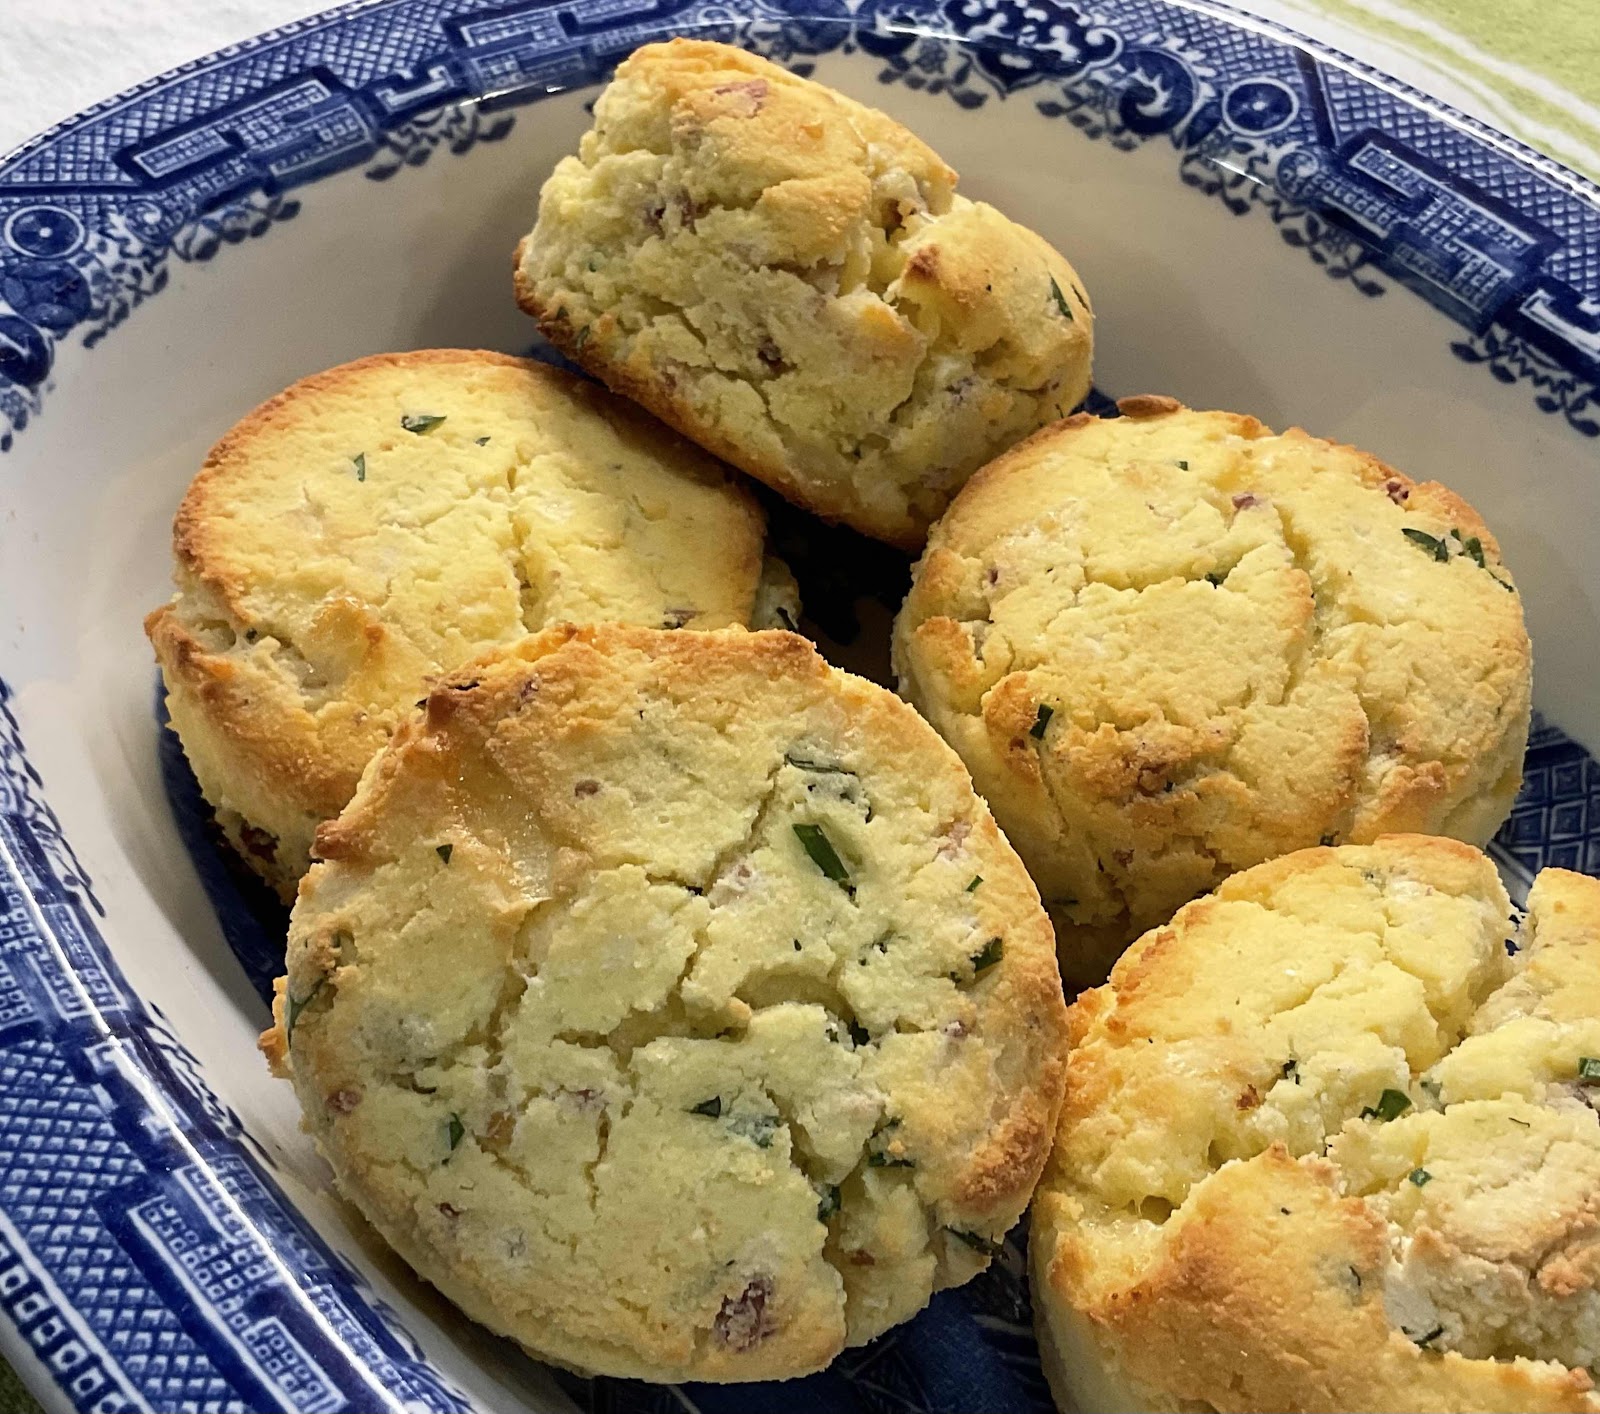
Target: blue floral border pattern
x,y
147,1257
1375,185
1555,823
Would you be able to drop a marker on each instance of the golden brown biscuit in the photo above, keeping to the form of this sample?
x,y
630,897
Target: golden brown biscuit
x,y
1327,1147
1174,644
788,277
672,1003
384,521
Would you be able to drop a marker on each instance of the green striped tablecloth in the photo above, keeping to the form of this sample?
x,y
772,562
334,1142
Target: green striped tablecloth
x,y
1529,67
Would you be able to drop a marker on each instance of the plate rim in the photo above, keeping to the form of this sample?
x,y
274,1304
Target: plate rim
x,y
59,883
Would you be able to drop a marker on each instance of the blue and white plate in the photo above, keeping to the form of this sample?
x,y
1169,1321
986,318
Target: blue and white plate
x,y
1266,226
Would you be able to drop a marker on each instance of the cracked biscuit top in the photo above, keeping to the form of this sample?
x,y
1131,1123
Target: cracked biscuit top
x,y
1331,1143
673,1004
384,521
789,278
1173,644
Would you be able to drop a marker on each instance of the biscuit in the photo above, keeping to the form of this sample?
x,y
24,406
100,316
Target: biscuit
x,y
788,277
1328,1147
1171,645
672,1003
383,522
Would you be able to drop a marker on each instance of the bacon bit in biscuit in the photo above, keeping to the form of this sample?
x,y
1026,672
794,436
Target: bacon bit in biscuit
x,y
955,835
743,1321
497,1134
689,210
1249,1100
1245,499
585,788
752,95
1148,405
261,843
343,1101
1397,490
584,1099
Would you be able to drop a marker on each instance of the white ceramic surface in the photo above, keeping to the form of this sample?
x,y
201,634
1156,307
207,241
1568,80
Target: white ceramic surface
x,y
1193,298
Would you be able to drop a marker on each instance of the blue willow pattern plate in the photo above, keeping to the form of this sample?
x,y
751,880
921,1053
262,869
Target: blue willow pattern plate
x,y
158,1248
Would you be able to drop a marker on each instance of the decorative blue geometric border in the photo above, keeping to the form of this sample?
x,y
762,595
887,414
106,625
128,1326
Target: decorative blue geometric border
x,y
150,1261
1363,174
146,1255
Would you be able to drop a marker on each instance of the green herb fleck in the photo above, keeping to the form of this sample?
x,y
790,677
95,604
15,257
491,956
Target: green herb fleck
x,y
480,441
818,846
758,1129
986,958
1182,465
1423,1341
594,263
455,1130
828,1203
1041,721
1432,544
822,768
580,338
1589,1069
1473,548
976,880
1291,1070
1420,1177
978,1242
1061,301
1327,840
444,851
359,461
293,1008
422,422
859,1034
1391,1105
711,1109
1216,580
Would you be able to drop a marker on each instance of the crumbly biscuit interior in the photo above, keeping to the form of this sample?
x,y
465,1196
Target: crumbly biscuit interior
x,y
1169,649
1361,1009
388,521
683,1008
795,273
515,506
